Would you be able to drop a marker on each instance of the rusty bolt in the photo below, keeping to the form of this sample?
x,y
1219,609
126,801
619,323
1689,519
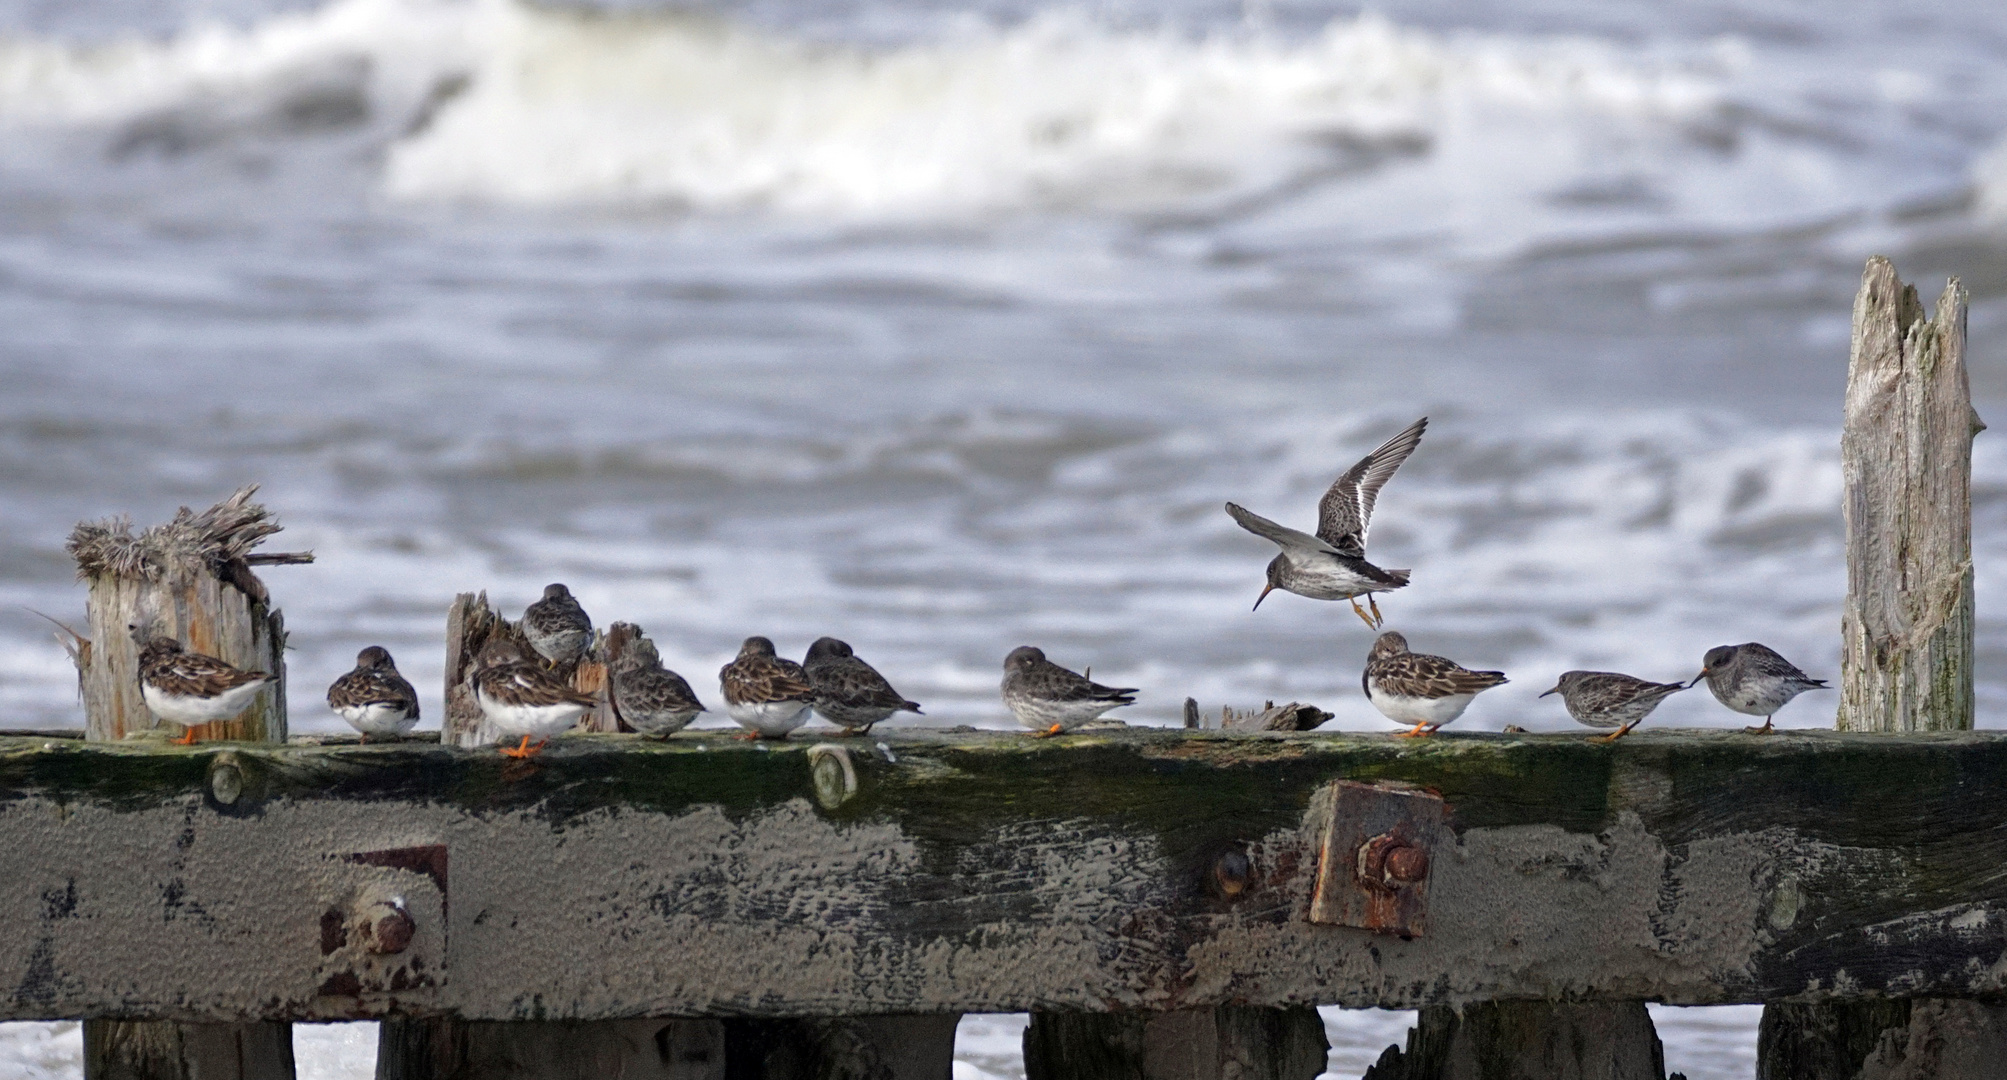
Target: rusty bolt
x,y
1406,864
1230,874
387,927
1391,862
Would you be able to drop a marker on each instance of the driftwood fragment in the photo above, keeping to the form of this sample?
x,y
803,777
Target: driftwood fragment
x,y
1272,717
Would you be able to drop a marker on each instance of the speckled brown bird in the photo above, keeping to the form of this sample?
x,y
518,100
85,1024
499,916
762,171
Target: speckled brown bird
x,y
557,627
1332,564
1419,689
191,688
767,695
374,698
849,692
1050,699
651,698
520,698
1608,699
1754,681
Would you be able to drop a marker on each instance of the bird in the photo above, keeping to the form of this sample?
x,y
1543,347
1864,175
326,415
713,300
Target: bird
x,y
1607,699
557,627
1419,689
520,698
1332,564
651,698
1049,699
1753,680
192,688
768,696
849,692
374,698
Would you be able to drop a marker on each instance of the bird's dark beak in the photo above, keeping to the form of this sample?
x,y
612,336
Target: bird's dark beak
x,y
1264,595
1556,690
1697,678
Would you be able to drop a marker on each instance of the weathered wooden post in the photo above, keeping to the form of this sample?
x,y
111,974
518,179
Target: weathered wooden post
x,y
1226,1043
1528,1040
191,578
446,1048
1906,638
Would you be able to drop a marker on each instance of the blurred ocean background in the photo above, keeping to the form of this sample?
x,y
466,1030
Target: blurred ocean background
x,y
948,327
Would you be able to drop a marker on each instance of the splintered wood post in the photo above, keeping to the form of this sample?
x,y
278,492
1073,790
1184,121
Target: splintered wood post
x,y
1906,456
190,579
1231,1042
1906,639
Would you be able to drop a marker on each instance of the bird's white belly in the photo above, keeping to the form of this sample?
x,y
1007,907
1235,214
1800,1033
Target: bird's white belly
x,y
770,718
1420,710
1041,715
1329,579
378,719
536,721
187,711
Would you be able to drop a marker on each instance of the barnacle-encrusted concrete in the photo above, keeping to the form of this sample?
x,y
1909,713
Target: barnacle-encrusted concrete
x,y
618,877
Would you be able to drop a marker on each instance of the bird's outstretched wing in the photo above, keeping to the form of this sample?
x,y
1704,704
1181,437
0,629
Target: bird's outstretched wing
x,y
1283,536
1347,509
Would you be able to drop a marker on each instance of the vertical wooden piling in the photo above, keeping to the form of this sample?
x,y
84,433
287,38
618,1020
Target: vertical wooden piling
x,y
1226,1043
1527,1040
1906,457
190,579
1906,639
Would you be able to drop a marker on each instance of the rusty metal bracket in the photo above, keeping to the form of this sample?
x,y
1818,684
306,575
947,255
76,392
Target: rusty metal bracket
x,y
1373,869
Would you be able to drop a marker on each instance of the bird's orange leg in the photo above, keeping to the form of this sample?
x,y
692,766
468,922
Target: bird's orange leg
x,y
1416,732
1049,732
1363,617
187,736
1766,729
521,750
1617,734
1379,620
749,735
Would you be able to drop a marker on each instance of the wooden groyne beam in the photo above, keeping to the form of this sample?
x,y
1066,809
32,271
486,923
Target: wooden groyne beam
x,y
1141,870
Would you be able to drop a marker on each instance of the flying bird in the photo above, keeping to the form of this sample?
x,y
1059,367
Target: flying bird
x,y
1332,564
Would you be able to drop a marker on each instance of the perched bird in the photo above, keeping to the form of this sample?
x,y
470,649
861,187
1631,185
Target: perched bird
x,y
1049,699
374,698
191,688
767,695
1753,680
1419,689
1606,699
849,692
651,698
1332,564
520,698
557,627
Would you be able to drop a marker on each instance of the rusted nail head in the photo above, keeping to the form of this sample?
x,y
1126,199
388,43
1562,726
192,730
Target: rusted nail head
x,y
1406,865
390,928
1230,872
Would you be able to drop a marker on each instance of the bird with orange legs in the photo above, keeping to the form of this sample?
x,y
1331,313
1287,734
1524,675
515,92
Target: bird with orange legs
x,y
520,699
1419,689
189,689
1050,699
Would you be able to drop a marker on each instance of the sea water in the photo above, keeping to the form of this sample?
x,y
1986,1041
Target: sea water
x,y
946,328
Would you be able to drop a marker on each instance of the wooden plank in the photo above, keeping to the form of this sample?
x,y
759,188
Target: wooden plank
x,y
618,877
